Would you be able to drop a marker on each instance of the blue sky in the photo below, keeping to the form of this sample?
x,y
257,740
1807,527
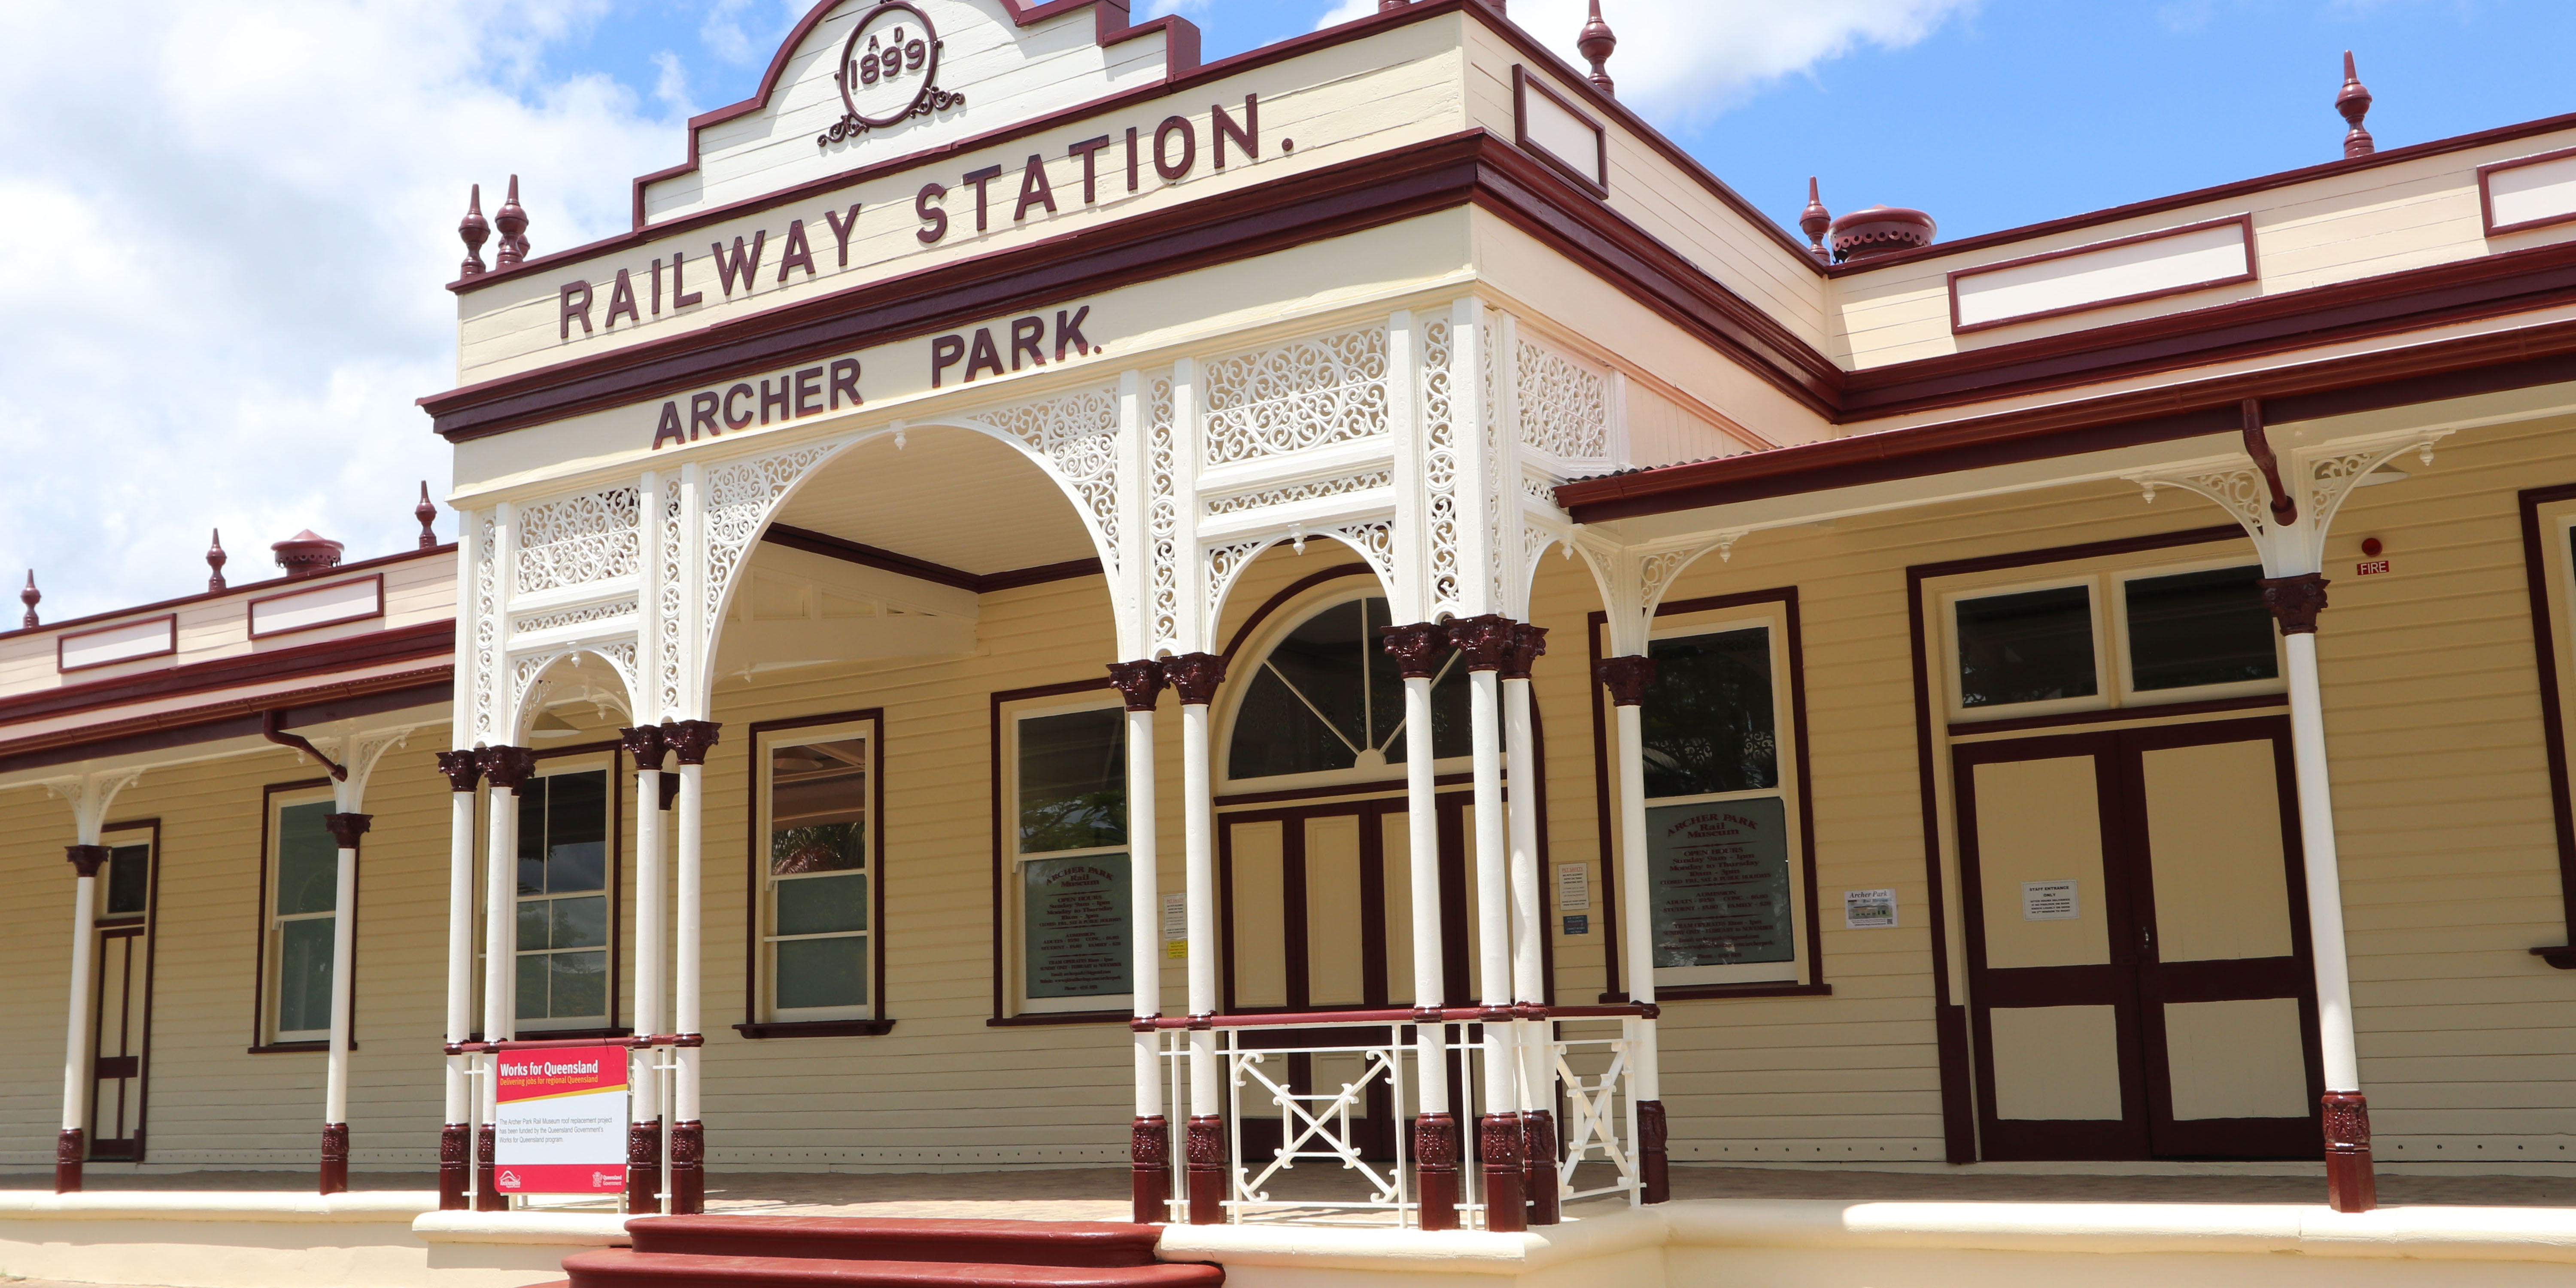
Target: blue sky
x,y
2009,112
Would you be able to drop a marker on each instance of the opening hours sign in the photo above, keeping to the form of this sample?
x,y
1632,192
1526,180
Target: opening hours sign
x,y
560,1121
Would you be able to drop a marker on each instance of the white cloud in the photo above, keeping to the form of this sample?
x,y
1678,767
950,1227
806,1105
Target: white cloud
x,y
1681,61
230,225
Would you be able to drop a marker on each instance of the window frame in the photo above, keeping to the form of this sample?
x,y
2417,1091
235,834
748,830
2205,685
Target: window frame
x,y
2123,660
1954,688
2114,671
1011,965
1778,609
761,1016
267,971
2548,517
607,760
1280,619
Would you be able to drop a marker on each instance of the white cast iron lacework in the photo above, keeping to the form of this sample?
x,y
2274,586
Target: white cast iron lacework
x,y
740,495
1440,469
2241,492
1496,513
2332,478
582,616
1376,543
487,624
1077,433
1342,486
1306,393
1224,564
1565,406
575,540
1164,517
673,592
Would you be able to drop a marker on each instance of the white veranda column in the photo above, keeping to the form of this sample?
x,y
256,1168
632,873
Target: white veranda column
x,y
1529,929
72,1145
1627,679
1486,643
507,769
692,740
1150,1135
644,1130
455,1136
346,828
1418,650
1195,677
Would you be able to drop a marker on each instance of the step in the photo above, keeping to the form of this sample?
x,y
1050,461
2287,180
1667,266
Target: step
x,y
627,1268
995,1243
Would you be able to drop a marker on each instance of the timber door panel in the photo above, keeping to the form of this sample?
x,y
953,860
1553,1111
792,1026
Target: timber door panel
x,y
121,1004
2162,1005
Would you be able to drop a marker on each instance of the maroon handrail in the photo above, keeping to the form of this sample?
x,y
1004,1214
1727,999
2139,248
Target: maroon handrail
x,y
1394,1015
545,1044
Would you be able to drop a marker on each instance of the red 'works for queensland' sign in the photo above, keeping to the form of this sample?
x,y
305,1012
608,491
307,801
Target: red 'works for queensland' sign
x,y
561,1121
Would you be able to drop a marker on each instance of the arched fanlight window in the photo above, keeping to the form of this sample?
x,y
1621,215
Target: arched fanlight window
x,y
1327,697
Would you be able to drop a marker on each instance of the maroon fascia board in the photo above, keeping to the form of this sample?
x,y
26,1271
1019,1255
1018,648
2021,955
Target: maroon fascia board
x,y
400,643
302,710
245,588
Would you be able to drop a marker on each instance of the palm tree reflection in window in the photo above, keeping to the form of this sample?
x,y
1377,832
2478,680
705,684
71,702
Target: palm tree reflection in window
x,y
1328,697
1708,719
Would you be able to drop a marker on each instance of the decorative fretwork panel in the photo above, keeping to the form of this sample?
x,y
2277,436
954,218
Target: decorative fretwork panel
x,y
1440,468
487,624
585,615
1497,514
1224,564
1375,541
1164,516
576,540
1344,485
1077,434
1565,405
671,599
1306,393
740,495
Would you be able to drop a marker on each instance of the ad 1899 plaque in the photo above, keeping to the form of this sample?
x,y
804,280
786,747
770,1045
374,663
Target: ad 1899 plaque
x,y
1721,874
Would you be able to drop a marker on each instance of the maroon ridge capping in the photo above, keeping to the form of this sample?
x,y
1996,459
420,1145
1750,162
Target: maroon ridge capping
x,y
814,1252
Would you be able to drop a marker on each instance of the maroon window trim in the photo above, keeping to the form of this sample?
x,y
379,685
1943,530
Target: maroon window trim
x,y
148,925
1598,182
250,614
755,850
2253,272
2553,720
2486,194
1794,641
167,620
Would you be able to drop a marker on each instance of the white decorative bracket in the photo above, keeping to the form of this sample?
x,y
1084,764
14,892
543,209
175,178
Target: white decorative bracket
x,y
2320,480
90,796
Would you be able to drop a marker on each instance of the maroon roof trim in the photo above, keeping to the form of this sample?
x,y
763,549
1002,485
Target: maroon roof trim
x,y
1114,27
245,588
424,640
238,719
2535,355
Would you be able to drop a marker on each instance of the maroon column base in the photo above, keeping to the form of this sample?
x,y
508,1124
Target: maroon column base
x,y
455,1166
1435,1170
335,1158
644,1166
1538,1166
2351,1186
1205,1148
688,1168
1498,1149
1149,1152
487,1178
1654,1168
69,1149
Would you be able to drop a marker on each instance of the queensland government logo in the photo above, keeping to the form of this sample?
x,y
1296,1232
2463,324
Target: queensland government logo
x,y
889,72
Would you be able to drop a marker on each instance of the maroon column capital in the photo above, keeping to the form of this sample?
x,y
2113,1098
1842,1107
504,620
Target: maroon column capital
x,y
1205,1148
85,859
1529,644
688,1167
335,1158
1142,683
644,743
692,739
2351,1186
1654,1163
1149,1155
455,1146
1435,1169
69,1149
1486,640
1627,678
1194,676
1498,1149
462,769
347,828
1417,649
2295,601
507,767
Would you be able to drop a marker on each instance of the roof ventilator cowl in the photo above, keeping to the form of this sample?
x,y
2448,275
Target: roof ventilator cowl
x,y
1880,230
307,553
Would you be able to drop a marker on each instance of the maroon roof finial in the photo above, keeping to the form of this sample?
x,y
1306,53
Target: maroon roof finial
x,y
427,513
474,230
2354,103
1813,221
1384,5
513,223
1880,230
306,553
215,558
1596,43
29,596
